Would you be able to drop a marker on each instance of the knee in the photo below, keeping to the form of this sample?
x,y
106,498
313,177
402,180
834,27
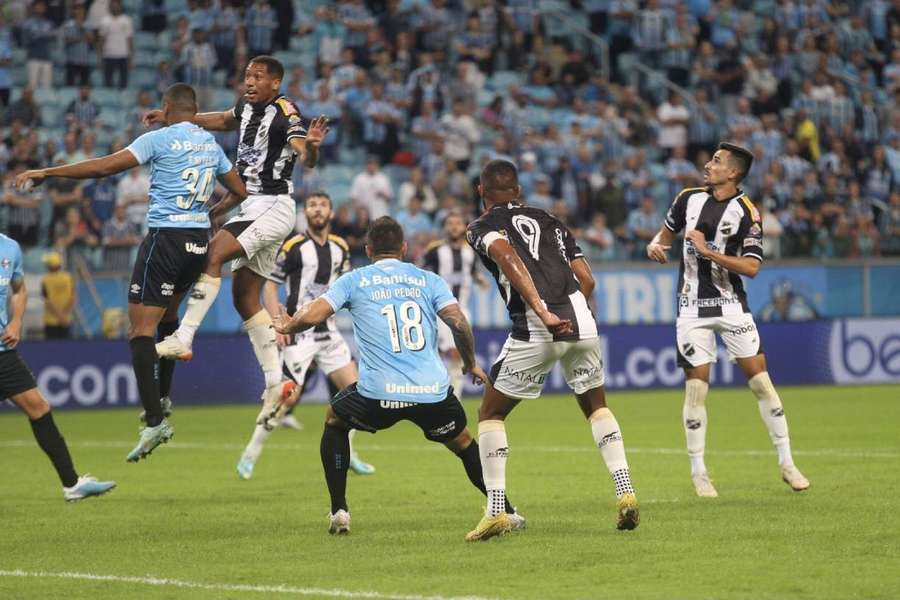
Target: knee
x,y
141,330
33,404
460,442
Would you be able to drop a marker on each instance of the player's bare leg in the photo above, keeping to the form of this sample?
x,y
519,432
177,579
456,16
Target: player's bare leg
x,y
335,453
290,393
342,378
772,413
608,437
696,386
51,441
493,450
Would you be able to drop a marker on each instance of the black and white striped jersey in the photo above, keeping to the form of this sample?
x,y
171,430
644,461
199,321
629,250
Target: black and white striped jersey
x,y
265,158
732,227
456,266
308,268
546,247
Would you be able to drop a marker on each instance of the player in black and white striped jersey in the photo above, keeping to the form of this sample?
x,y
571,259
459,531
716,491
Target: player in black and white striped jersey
x,y
456,263
545,280
723,241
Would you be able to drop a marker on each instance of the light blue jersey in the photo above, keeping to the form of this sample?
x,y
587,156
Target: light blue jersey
x,y
10,270
184,163
394,306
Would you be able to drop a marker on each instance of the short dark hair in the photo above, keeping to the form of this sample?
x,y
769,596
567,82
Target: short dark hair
x,y
742,157
272,64
319,194
181,97
385,236
499,175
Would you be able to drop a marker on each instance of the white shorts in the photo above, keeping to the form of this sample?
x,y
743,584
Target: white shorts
x,y
696,338
330,355
269,220
522,367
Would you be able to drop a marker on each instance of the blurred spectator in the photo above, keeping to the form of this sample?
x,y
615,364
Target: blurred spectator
x,y
261,24
372,189
58,291
417,187
889,224
461,133
117,45
380,126
772,232
226,28
197,62
641,227
132,192
82,111
599,239
153,16
78,43
22,210
38,34
542,196
326,105
6,56
413,220
74,238
673,120
119,237
62,193
134,126
24,110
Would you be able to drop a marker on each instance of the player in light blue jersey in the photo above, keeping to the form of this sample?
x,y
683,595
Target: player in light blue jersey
x,y
17,382
395,307
185,163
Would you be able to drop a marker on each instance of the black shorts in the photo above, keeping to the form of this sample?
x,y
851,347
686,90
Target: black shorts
x,y
169,261
15,376
440,422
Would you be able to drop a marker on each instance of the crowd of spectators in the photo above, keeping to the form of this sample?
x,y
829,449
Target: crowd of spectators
x,y
422,92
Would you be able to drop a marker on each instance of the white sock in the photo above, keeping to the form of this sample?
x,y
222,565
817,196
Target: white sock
x,y
255,447
493,448
694,421
772,414
200,300
608,438
262,337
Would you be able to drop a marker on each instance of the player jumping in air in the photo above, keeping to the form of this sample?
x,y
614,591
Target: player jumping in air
x,y
185,162
395,307
271,136
17,383
722,241
307,264
545,281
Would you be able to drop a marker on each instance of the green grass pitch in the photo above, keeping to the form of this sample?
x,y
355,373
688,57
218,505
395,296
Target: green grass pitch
x,y
184,517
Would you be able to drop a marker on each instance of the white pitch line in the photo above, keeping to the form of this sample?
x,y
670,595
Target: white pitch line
x,y
230,587
586,448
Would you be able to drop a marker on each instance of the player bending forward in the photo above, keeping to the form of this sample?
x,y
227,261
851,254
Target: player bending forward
x,y
17,383
307,264
185,162
395,307
722,241
545,281
271,136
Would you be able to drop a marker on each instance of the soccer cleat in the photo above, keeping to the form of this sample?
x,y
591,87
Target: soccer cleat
x,y
517,520
165,402
340,523
291,422
274,407
490,527
87,486
703,485
360,467
628,513
794,478
245,467
151,437
173,348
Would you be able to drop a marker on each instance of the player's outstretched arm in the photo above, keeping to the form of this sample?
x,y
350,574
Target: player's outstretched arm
x,y
464,339
213,121
307,148
660,245
94,168
17,301
742,265
505,257
308,315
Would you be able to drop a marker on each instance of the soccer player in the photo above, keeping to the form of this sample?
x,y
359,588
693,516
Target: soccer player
x,y
454,262
545,281
722,242
17,383
185,162
395,307
271,136
307,264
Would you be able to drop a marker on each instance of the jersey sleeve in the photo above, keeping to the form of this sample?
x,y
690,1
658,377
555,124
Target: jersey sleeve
x,y
676,218
224,165
285,262
338,295
751,228
441,296
294,127
17,271
572,249
482,233
144,148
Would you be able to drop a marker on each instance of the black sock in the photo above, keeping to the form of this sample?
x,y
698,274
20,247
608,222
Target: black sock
x,y
335,451
52,443
146,370
166,365
471,460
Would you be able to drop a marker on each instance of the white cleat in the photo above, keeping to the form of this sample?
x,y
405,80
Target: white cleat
x,y
340,523
274,404
291,422
703,485
516,520
794,478
173,348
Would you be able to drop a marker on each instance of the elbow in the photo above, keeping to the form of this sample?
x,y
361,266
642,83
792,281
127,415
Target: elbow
x,y
753,269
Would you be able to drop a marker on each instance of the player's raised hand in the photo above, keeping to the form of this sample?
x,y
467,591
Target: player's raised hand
x,y
478,375
281,322
555,325
152,117
318,129
28,179
658,252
